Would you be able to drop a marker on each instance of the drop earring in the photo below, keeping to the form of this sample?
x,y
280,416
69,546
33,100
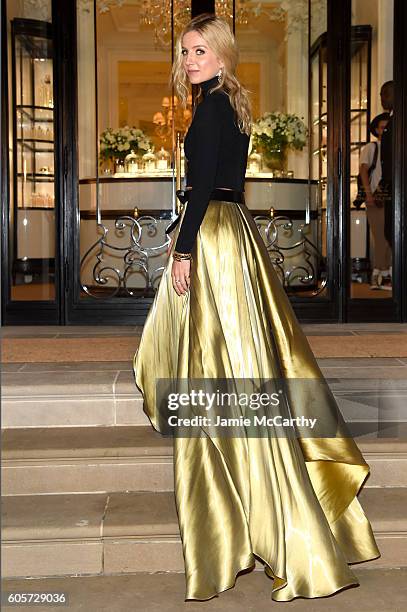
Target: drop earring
x,y
220,73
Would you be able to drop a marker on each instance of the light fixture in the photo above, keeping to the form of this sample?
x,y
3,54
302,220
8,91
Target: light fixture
x,y
157,13
294,13
167,15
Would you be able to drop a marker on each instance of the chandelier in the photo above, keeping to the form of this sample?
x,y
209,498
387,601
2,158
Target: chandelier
x,y
157,13
169,17
294,13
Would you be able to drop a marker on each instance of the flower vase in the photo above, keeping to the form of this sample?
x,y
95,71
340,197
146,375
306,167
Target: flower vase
x,y
276,159
106,166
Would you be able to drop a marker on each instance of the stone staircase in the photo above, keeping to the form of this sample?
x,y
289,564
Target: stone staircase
x,y
88,484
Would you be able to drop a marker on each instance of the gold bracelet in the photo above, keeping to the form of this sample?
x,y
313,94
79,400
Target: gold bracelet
x,y
180,256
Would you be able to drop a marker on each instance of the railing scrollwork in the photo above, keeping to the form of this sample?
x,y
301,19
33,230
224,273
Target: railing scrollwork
x,y
134,255
306,274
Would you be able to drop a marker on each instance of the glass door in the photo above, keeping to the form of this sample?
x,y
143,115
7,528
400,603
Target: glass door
x,y
370,188
130,137
285,63
31,279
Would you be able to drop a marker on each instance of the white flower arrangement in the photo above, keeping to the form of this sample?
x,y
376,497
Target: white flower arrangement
x,y
279,131
117,143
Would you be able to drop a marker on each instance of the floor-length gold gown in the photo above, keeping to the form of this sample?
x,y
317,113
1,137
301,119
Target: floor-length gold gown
x,y
290,501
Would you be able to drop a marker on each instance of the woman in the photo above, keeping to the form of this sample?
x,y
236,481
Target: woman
x,y
223,314
371,175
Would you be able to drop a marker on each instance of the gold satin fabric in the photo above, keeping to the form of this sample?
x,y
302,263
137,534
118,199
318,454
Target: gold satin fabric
x,y
291,502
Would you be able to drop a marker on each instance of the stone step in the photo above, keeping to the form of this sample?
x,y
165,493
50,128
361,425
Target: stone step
x,y
85,460
387,458
101,394
131,458
117,533
71,395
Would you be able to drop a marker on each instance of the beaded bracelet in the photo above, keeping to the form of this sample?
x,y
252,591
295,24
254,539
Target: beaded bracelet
x,y
180,256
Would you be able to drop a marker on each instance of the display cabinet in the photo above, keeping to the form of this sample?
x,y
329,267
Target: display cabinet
x,y
360,98
360,117
361,44
318,114
33,161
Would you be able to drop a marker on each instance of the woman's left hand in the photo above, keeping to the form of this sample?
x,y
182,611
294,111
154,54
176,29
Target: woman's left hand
x,y
180,272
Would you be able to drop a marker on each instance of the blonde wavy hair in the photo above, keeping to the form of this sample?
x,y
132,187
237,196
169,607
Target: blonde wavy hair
x,y
217,33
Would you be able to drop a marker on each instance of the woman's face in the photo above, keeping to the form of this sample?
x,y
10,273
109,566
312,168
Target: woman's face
x,y
199,61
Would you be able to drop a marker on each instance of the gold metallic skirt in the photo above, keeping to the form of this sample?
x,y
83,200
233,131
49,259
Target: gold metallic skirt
x,y
291,502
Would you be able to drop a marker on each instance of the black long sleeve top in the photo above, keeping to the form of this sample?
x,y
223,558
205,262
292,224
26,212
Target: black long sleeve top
x,y
216,154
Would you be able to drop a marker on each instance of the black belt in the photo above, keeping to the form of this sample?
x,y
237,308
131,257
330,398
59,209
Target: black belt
x,y
226,195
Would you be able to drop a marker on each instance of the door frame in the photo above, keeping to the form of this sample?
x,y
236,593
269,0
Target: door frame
x,y
400,145
332,308
4,169
393,309
121,311
77,311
